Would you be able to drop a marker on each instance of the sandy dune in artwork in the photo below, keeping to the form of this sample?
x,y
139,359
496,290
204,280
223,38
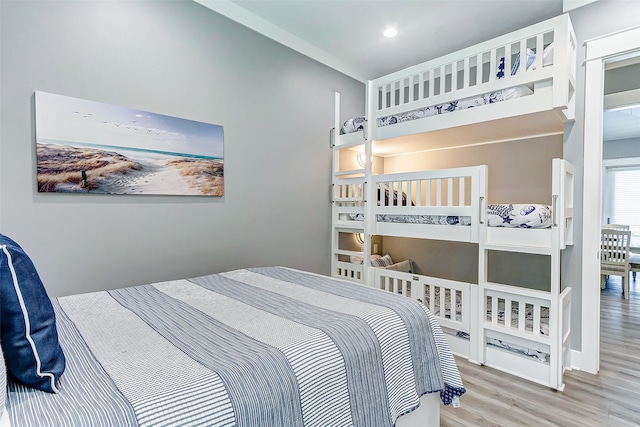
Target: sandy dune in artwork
x,y
60,169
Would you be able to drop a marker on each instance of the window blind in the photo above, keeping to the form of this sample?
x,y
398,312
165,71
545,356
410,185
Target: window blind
x,y
624,198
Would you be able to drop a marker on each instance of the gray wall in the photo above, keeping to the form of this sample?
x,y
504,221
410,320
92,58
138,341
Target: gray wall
x,y
593,20
622,78
519,172
179,59
621,148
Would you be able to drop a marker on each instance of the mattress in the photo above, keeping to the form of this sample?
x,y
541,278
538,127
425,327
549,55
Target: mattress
x,y
498,215
263,346
455,313
357,123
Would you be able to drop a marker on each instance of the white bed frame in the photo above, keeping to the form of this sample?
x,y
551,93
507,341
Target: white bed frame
x,y
463,191
416,87
427,414
548,241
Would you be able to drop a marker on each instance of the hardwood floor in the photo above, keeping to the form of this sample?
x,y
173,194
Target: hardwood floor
x,y
611,398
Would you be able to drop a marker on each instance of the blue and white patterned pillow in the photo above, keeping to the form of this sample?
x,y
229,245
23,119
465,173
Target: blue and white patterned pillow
x,y
384,261
28,328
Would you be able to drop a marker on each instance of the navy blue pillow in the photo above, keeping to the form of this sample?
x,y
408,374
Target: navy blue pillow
x,y
28,324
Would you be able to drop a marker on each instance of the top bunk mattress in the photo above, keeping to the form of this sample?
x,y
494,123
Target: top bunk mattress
x,y
357,123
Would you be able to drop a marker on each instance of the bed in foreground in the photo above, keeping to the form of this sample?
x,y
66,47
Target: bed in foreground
x,y
262,346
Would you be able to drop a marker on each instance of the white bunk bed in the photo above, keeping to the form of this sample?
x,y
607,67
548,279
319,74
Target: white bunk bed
x,y
481,329
413,101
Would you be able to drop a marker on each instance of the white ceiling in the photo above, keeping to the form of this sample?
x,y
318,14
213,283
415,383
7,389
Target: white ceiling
x,y
347,34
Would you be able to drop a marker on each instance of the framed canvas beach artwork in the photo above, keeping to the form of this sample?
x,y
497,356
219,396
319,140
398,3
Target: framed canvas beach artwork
x,y
91,147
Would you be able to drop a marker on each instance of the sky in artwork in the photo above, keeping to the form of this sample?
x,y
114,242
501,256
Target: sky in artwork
x,y
63,118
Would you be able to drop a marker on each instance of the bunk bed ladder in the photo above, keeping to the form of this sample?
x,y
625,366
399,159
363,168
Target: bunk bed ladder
x,y
349,237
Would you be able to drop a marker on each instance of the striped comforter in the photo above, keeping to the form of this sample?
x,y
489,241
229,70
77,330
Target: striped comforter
x,y
265,346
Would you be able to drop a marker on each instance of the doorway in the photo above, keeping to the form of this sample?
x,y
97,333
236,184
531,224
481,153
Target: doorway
x,y
599,52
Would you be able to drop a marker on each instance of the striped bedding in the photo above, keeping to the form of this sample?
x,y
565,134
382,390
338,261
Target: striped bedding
x,y
264,346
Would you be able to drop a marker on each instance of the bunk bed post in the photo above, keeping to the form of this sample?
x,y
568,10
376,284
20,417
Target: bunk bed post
x,y
565,53
334,163
370,189
477,337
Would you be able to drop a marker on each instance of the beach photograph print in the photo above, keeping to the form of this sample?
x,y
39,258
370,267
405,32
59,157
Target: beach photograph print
x,y
90,147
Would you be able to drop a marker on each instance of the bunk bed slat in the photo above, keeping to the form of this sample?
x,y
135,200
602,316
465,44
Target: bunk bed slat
x,y
429,93
537,314
522,308
492,60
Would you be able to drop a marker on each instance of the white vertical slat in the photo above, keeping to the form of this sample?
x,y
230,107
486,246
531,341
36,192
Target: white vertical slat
x,y
449,192
395,198
507,312
443,70
418,197
403,94
507,60
537,311
443,301
522,315
479,69
454,76
523,57
387,96
417,289
412,87
428,192
420,86
438,192
494,310
431,73
492,65
432,300
466,73
461,191
539,51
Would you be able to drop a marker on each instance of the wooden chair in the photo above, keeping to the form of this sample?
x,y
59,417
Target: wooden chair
x,y
614,256
634,261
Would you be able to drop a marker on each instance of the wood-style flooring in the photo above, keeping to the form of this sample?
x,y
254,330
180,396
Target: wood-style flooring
x,y
611,398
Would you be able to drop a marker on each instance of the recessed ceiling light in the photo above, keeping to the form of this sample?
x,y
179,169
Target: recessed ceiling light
x,y
390,32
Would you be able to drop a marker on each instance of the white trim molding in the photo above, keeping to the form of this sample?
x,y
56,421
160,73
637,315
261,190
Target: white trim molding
x,y
598,51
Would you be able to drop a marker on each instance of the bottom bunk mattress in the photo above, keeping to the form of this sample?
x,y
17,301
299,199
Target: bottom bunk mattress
x,y
455,313
255,347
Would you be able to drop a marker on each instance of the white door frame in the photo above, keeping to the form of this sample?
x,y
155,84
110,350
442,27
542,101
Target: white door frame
x,y
598,51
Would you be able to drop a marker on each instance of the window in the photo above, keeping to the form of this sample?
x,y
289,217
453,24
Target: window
x,y
622,198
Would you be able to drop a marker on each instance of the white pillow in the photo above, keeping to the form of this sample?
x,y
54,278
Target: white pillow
x,y
405,266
